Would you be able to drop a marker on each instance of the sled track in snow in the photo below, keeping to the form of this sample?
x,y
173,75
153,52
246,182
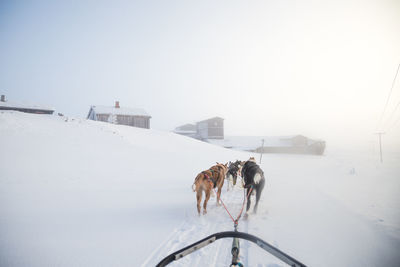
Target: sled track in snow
x,y
196,227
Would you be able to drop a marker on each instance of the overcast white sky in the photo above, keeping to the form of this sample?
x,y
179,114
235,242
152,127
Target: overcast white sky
x,y
318,68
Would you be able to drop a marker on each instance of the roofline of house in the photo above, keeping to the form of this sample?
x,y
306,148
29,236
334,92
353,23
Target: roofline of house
x,y
28,109
92,108
211,119
144,116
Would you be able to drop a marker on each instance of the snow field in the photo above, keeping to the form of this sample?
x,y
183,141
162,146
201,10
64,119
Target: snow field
x,y
82,193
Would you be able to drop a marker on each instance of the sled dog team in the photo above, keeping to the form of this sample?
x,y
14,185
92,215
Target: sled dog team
x,y
251,173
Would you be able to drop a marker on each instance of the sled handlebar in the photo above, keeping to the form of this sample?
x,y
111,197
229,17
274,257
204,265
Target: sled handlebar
x,y
230,234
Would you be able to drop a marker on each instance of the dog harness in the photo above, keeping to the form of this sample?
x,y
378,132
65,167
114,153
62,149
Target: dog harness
x,y
211,179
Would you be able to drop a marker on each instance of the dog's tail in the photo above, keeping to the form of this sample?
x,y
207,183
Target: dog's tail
x,y
258,177
194,185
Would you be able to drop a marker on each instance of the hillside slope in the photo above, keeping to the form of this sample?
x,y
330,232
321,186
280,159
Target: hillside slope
x,y
76,192
83,193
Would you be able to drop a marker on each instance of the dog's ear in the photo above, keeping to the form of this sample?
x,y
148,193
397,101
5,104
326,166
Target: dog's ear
x,y
226,164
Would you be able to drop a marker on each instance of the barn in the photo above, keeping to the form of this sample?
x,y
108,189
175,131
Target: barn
x,y
135,117
35,109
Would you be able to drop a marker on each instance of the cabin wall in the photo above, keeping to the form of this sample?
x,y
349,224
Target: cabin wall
x,y
215,129
125,120
135,121
202,130
210,129
102,117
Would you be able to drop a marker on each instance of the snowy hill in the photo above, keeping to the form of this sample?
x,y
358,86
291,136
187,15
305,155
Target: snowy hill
x,y
84,193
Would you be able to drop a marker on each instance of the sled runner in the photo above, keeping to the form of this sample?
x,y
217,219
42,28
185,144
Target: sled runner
x,y
235,249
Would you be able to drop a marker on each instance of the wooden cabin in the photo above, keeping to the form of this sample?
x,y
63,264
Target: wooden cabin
x,y
135,117
35,109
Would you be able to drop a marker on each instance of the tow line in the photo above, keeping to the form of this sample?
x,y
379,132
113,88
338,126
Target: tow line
x,y
235,222
235,243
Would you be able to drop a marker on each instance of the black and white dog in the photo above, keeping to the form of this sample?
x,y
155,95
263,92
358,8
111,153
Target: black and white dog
x,y
254,180
231,175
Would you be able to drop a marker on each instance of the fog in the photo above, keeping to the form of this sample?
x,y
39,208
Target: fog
x,y
323,69
74,192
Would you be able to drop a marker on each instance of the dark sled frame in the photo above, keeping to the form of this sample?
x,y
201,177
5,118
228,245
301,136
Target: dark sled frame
x,y
230,234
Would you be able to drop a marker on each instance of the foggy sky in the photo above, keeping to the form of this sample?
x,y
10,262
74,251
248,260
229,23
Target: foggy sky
x,y
318,68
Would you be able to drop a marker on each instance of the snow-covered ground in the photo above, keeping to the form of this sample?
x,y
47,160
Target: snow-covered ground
x,y
83,193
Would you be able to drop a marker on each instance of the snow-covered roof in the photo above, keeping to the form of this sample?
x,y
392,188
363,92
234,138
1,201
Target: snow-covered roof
x,y
9,104
184,131
120,111
218,118
186,127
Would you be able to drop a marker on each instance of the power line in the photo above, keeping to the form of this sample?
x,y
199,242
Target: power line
x,y
387,100
393,125
391,114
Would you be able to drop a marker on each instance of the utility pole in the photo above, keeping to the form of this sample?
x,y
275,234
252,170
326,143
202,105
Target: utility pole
x,y
262,150
380,144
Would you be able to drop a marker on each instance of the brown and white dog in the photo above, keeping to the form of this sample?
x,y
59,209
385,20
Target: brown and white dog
x,y
206,181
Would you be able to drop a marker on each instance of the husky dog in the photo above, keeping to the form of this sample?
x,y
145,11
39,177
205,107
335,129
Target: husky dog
x,y
206,181
254,180
233,170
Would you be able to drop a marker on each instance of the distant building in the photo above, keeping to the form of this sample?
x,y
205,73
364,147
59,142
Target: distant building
x,y
187,130
135,117
210,129
295,144
35,109
203,130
